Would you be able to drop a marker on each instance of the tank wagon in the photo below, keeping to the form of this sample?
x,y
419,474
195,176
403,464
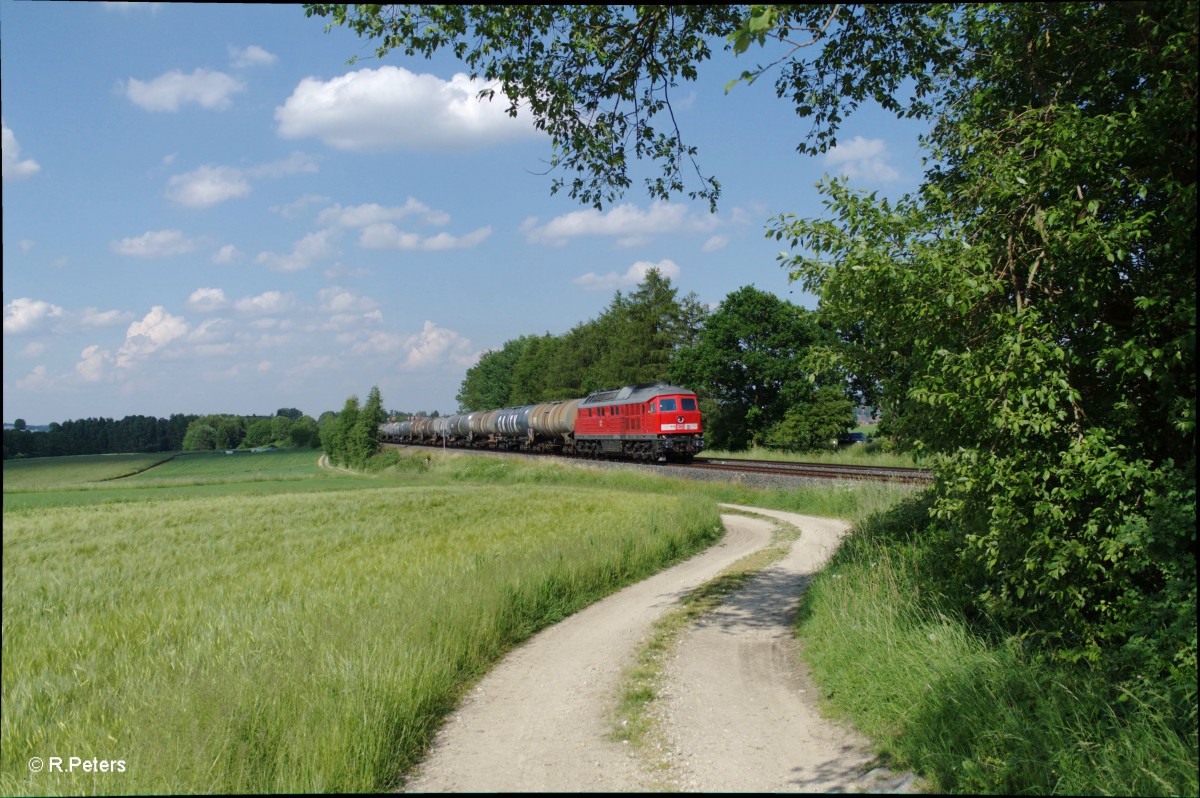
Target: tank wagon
x,y
650,422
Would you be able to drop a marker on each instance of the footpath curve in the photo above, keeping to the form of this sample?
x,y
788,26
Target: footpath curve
x,y
736,709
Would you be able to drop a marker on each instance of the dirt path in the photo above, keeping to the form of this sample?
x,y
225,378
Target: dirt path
x,y
737,712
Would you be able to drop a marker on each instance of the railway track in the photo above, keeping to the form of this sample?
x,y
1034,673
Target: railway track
x,y
767,468
814,470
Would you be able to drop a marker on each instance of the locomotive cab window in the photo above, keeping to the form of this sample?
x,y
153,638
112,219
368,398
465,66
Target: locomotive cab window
x,y
651,407
666,405
688,403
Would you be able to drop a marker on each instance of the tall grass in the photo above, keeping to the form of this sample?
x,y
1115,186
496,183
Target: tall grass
x,y
299,641
975,714
873,453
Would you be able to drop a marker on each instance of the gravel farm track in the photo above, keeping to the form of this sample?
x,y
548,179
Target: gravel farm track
x,y
736,709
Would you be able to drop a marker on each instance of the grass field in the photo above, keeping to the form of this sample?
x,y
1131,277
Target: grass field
x,y
252,623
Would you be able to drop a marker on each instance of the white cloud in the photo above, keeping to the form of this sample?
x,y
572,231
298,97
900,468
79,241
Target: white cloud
x,y
298,206
628,223
370,213
435,345
126,7
226,254
35,380
266,302
155,331
93,364
209,333
206,186
388,236
634,275
169,91
391,108
207,300
156,244
716,243
91,317
306,251
29,315
27,245
295,164
336,299
11,165
210,185
861,158
252,55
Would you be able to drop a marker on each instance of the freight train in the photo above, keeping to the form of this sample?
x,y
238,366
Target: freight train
x,y
651,422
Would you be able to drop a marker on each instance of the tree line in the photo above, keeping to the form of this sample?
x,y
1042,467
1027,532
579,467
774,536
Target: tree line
x,y
748,361
179,432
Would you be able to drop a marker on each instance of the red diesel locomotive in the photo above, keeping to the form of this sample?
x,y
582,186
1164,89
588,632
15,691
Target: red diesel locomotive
x,y
651,422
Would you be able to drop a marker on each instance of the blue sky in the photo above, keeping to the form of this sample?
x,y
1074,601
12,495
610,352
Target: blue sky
x,y
206,210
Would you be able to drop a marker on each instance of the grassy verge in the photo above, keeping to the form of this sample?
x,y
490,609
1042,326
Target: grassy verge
x,y
873,453
975,715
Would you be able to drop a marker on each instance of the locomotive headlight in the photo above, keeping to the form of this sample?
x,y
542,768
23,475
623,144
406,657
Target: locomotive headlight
x,y
679,419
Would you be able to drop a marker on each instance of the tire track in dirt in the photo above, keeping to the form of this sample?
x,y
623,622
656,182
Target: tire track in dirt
x,y
539,721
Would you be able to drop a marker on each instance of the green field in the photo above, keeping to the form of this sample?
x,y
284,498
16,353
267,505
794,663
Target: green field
x,y
253,623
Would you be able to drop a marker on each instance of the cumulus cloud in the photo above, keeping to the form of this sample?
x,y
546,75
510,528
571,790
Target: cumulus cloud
x,y
208,185
336,299
156,330
11,165
168,92
388,236
265,303
627,223
94,363
91,317
252,55
435,345
371,214
155,244
306,251
36,380
632,276
391,108
861,158
211,185
26,315
207,300
226,254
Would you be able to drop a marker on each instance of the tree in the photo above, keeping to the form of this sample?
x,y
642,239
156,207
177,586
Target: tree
x,y
281,426
258,433
1028,316
289,413
335,434
488,384
751,359
199,437
19,425
363,438
304,432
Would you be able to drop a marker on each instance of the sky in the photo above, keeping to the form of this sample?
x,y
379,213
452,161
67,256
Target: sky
x,y
206,209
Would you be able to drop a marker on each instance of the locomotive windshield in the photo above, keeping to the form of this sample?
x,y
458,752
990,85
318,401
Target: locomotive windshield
x,y
666,405
688,403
